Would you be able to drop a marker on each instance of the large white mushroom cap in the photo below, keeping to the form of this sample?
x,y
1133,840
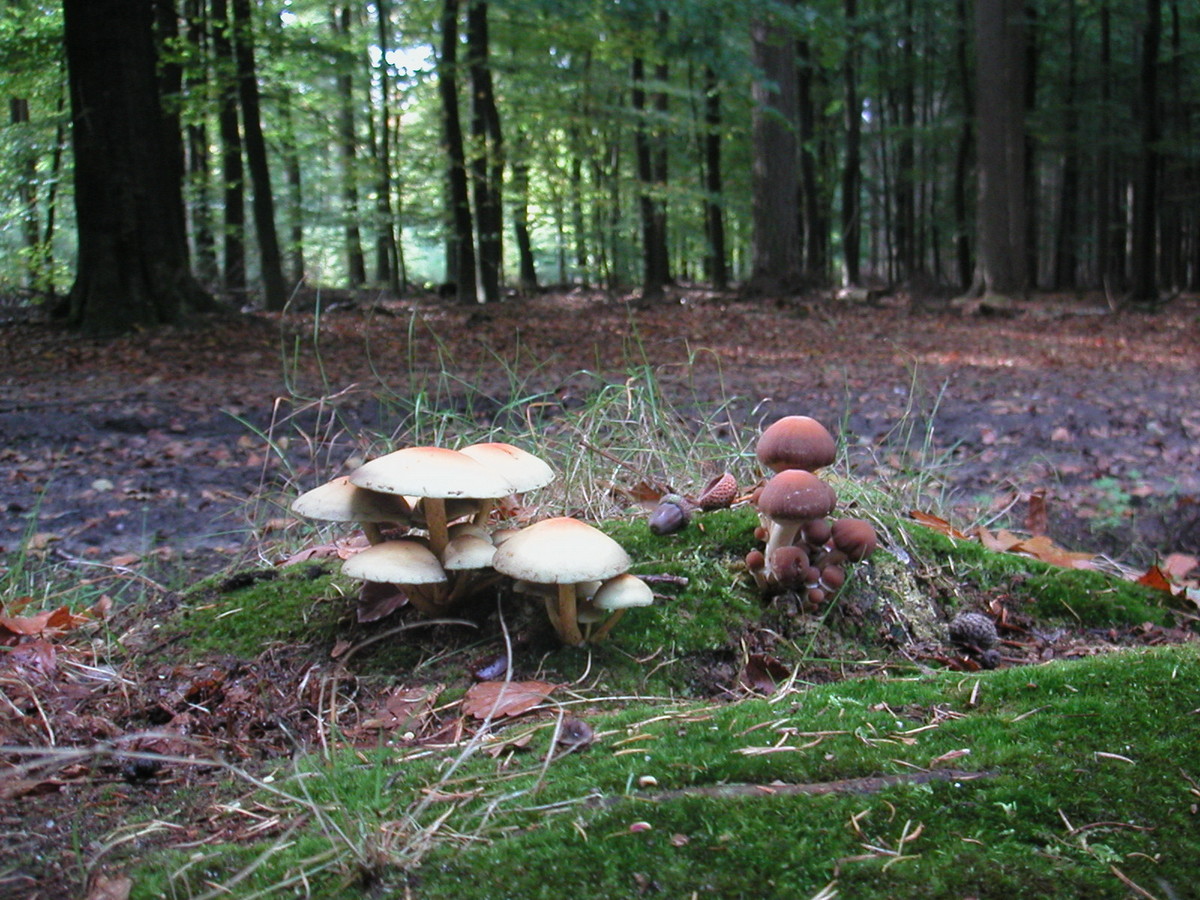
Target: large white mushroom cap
x,y
397,562
522,469
340,501
560,551
431,472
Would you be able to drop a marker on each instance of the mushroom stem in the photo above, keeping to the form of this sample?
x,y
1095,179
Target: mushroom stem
x,y
602,632
568,623
779,534
485,511
418,598
435,521
371,532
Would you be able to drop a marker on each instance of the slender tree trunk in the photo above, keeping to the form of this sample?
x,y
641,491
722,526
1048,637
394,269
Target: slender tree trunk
x,y
775,266
232,173
526,271
852,166
199,175
487,165
651,169
274,293
1110,228
387,263
715,266
1000,45
132,267
18,118
356,263
1145,190
1066,255
1032,230
460,255
963,151
905,172
814,218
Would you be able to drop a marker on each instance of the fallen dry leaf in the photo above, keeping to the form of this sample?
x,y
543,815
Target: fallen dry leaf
x,y
504,698
109,887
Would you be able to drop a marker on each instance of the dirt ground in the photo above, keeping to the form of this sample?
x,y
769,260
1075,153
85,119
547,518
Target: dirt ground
x,y
153,443
152,447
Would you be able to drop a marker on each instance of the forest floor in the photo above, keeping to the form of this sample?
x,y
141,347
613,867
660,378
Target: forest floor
x,y
153,444
147,453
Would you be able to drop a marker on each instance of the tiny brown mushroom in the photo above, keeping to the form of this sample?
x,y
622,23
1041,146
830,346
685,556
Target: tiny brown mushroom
x,y
796,442
854,537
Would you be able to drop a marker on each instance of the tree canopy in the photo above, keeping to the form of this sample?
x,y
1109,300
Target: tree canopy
x,y
628,143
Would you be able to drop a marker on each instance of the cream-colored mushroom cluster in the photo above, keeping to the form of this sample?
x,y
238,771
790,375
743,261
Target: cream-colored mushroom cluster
x,y
806,550
444,499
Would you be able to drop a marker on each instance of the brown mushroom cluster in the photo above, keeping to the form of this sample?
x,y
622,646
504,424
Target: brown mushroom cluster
x,y
440,501
806,549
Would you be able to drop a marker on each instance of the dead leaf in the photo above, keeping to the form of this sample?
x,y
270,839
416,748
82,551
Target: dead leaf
x,y
110,887
1177,565
405,710
937,524
377,600
762,674
1154,578
1044,549
1037,518
504,698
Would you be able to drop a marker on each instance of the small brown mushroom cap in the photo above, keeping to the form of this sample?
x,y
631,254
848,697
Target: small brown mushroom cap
x,y
796,495
854,537
796,442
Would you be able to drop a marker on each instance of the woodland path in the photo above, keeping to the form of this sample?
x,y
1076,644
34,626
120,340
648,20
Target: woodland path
x,y
153,443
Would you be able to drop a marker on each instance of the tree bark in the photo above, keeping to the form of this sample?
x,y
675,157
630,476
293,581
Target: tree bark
x,y
716,268
132,268
1144,288
270,265
775,266
852,165
526,270
356,263
387,262
198,174
963,151
460,244
487,164
1066,247
1001,219
232,174
651,170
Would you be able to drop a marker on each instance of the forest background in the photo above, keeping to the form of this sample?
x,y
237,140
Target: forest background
x,y
945,145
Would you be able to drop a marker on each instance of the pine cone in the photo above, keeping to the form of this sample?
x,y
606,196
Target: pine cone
x,y
974,631
718,493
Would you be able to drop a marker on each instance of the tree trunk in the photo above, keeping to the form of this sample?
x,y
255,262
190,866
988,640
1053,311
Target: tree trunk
x,y
387,263
232,173
651,165
460,244
852,166
906,195
198,174
1145,188
132,266
775,266
715,266
487,165
526,271
274,293
1000,73
356,263
1110,237
813,214
1066,248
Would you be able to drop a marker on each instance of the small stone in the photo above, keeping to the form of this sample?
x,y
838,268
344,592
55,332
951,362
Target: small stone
x,y
974,631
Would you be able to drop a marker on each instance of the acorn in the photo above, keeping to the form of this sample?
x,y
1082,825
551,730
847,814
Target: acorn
x,y
671,515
